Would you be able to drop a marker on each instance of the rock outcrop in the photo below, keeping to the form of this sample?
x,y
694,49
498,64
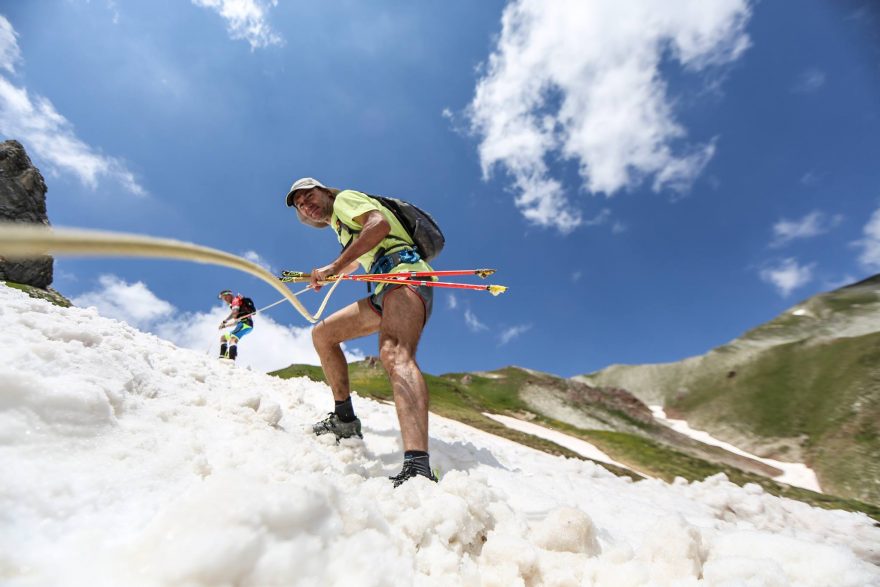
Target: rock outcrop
x,y
22,199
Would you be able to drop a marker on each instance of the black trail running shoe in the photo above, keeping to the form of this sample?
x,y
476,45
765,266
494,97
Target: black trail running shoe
x,y
340,429
412,468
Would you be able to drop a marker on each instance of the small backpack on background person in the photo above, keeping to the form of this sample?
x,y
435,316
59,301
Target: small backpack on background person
x,y
247,307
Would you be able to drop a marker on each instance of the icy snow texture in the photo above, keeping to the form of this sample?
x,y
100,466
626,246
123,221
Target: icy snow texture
x,y
128,461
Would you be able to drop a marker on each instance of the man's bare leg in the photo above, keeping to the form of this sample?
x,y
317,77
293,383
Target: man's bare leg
x,y
352,321
403,319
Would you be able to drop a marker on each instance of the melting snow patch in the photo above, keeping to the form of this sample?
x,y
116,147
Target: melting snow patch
x,y
577,445
128,461
796,474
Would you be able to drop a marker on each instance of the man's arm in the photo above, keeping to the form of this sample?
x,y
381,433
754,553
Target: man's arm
x,y
375,228
232,316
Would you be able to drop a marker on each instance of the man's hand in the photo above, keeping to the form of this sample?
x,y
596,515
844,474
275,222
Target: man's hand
x,y
222,325
321,274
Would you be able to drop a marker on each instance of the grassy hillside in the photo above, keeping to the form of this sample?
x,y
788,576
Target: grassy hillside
x,y
465,397
825,395
804,386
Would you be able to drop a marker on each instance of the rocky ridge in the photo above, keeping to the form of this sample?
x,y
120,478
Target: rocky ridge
x,y
23,199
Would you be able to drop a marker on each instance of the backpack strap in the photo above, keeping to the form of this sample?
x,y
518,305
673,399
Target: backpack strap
x,y
354,232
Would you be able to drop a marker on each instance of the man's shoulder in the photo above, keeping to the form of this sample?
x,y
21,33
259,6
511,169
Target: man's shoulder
x,y
351,196
349,204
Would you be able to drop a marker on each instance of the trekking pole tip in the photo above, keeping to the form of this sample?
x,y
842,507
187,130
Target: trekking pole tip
x,y
484,273
496,289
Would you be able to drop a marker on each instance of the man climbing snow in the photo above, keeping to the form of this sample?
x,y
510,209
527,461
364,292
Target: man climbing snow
x,y
372,236
240,306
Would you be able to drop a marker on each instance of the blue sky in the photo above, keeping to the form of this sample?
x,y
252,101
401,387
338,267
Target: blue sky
x,y
651,180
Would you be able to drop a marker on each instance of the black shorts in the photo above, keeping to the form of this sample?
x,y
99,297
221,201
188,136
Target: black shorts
x,y
425,293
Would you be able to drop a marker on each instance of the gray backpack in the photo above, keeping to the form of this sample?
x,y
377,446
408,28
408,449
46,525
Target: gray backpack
x,y
421,226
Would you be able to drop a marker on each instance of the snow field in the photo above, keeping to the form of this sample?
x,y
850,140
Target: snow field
x,y
128,461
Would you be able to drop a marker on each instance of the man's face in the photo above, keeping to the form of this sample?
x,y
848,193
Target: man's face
x,y
314,204
227,298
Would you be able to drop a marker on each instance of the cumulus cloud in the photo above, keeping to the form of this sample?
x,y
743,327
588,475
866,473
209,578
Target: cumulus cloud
x,y
787,275
580,80
811,225
246,20
451,301
514,332
269,347
257,259
809,81
870,245
473,323
49,136
133,303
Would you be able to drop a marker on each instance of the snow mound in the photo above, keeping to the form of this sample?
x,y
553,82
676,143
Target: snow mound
x,y
128,461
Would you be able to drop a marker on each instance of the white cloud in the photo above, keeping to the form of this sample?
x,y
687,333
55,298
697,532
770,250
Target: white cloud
x,y
810,178
809,81
619,228
870,245
451,301
256,258
509,334
580,80
576,276
787,275
133,303
473,323
246,19
813,224
46,133
600,218
114,10
270,346
10,54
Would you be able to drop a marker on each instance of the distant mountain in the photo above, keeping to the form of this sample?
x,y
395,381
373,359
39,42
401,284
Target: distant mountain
x,y
802,387
610,418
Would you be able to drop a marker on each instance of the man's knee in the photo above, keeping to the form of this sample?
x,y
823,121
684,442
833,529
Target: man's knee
x,y
321,336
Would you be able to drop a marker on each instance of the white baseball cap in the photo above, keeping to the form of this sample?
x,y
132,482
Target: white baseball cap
x,y
304,183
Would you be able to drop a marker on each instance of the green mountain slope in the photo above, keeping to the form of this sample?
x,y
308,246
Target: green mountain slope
x,y
611,419
803,387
